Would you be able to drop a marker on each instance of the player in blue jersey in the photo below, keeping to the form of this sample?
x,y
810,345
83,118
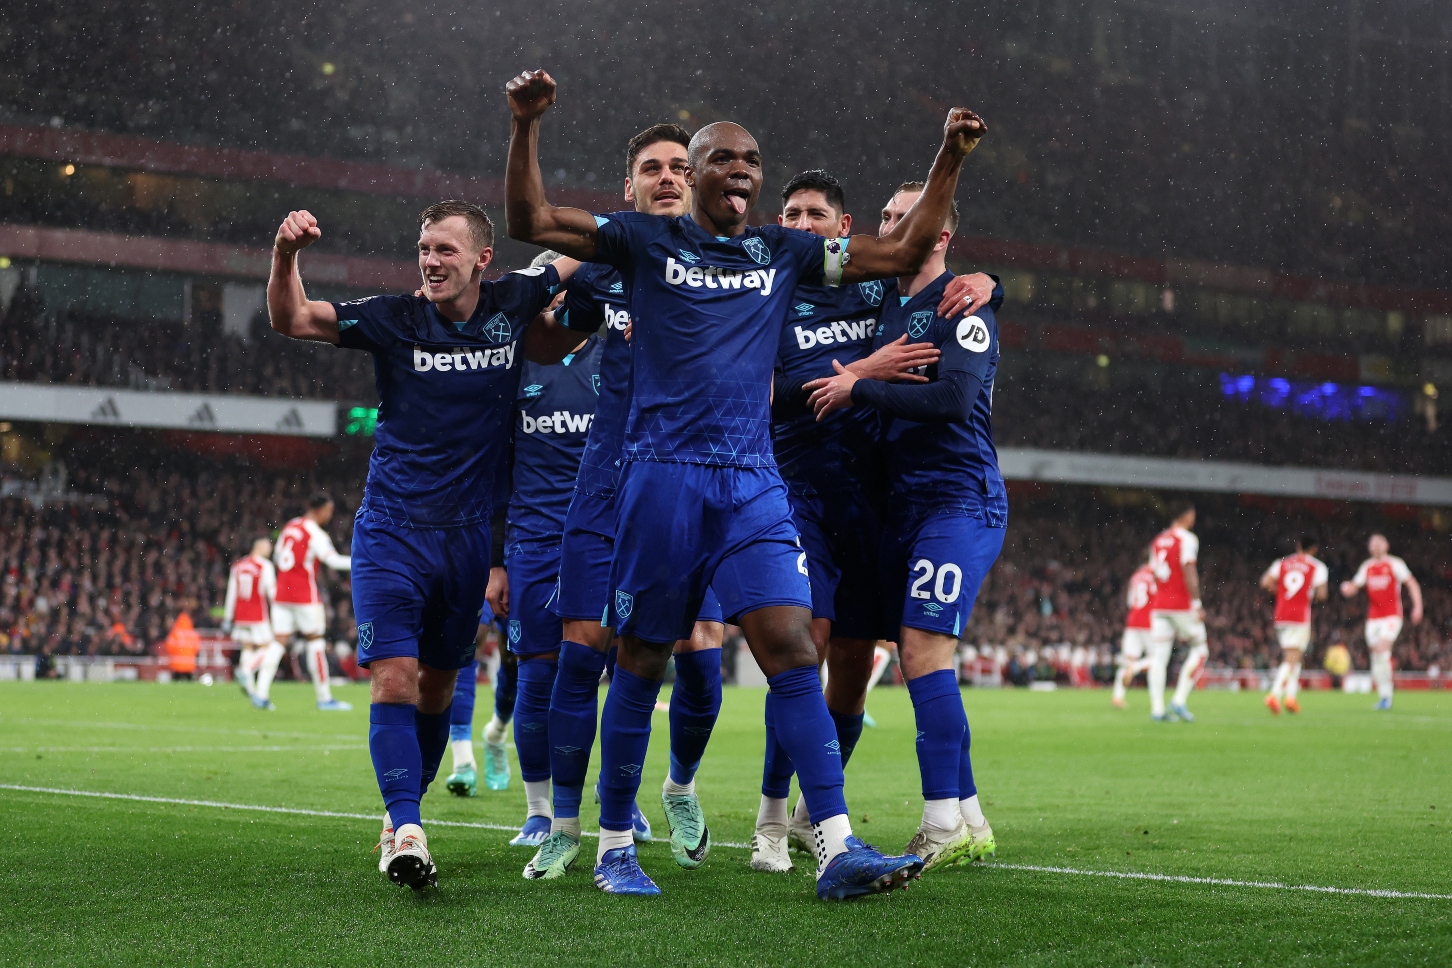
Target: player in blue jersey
x,y
947,513
446,367
832,473
701,503
655,163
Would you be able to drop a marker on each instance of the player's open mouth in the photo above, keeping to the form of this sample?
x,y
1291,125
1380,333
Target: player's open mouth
x,y
737,199
434,281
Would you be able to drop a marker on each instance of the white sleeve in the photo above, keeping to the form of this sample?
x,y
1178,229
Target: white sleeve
x,y
1321,576
1401,571
1360,579
269,582
1189,548
1274,571
325,551
230,608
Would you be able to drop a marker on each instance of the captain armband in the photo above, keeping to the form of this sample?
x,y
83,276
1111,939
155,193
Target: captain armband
x,y
836,259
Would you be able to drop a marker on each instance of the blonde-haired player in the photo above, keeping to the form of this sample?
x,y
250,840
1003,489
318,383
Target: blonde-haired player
x,y
251,587
1295,580
1139,595
1383,575
1178,613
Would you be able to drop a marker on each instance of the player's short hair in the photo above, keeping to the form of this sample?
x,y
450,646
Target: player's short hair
x,y
481,229
917,186
817,180
545,258
1180,508
319,499
1309,541
653,135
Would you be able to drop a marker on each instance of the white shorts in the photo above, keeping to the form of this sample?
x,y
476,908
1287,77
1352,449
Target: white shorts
x,y
1383,631
1294,636
1135,644
305,620
252,633
1185,626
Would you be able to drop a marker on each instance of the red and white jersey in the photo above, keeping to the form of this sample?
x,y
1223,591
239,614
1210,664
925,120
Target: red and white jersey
x,y
251,587
1173,550
301,547
1140,597
1383,579
1297,577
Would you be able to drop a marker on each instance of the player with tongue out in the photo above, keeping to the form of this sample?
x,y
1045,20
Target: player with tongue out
x,y
701,503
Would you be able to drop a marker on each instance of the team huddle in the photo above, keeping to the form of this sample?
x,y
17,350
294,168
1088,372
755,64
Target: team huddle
x,y
1163,600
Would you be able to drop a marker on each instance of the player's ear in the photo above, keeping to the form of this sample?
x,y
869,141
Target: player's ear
x,y
691,176
846,224
629,190
944,237
485,257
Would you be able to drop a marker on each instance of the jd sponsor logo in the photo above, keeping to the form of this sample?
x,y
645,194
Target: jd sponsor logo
x,y
713,277
842,331
559,422
973,335
463,358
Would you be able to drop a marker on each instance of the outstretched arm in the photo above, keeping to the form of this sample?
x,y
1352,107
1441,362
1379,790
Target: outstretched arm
x,y
1415,590
289,309
527,216
903,251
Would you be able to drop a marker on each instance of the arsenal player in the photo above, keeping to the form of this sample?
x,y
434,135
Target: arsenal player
x,y
1178,613
1295,580
251,586
1138,625
302,546
1383,575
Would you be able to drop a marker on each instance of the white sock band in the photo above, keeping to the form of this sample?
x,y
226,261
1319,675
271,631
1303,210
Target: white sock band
x,y
830,838
772,813
972,812
495,731
672,788
537,798
611,839
567,825
463,751
942,814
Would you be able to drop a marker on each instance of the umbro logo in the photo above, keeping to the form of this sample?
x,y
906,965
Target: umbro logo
x,y
804,309
630,769
697,730
534,389
933,607
620,286
921,734
834,746
396,774
533,727
690,257
567,750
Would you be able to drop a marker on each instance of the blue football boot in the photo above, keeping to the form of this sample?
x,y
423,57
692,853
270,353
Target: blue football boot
x,y
533,833
863,869
619,873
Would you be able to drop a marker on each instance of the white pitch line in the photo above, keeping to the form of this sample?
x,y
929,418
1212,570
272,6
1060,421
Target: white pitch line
x,y
1222,881
1033,868
353,747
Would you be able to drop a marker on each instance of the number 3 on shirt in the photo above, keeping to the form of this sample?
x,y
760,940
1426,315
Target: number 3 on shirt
x,y
946,588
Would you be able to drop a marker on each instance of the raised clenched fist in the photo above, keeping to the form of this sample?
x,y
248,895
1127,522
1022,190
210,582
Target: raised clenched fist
x,y
530,95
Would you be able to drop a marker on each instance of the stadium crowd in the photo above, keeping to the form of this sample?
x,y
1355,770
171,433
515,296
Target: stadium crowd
x,y
102,557
114,548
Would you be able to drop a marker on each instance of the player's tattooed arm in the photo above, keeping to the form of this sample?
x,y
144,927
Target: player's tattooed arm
x,y
895,362
289,309
903,251
528,216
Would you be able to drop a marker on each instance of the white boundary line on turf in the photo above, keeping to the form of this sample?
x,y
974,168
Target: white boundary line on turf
x,y
353,747
1033,868
1221,881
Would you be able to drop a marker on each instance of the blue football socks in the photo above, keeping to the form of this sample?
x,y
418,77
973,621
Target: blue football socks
x,y
531,718
573,706
461,712
695,704
942,728
393,744
849,731
776,767
505,690
804,729
624,738
432,730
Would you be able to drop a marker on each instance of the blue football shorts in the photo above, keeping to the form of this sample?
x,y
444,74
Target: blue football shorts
x,y
934,562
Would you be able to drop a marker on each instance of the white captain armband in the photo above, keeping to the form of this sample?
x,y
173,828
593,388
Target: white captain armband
x,y
836,259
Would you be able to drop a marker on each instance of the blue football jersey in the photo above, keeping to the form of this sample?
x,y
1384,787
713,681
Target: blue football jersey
x,y
708,315
446,397
945,464
555,408
825,324
596,296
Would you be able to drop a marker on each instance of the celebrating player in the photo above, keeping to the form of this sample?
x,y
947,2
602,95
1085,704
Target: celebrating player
x,y
1178,614
446,378
1295,581
1383,575
1138,625
302,547
701,504
251,586
831,471
946,523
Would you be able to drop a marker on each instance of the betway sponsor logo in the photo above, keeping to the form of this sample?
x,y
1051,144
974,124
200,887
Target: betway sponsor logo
x,y
559,422
842,331
616,319
463,358
713,277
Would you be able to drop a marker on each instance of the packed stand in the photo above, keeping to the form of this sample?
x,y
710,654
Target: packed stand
x,y
102,554
1059,588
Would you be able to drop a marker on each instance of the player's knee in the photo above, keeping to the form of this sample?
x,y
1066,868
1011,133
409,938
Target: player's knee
x,y
435,689
644,659
394,680
780,638
587,633
706,635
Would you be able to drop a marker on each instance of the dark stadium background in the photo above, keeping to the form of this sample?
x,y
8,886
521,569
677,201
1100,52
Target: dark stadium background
x,y
1179,196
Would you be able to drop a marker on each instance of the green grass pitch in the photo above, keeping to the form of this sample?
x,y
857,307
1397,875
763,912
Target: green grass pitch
x,y
1339,796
